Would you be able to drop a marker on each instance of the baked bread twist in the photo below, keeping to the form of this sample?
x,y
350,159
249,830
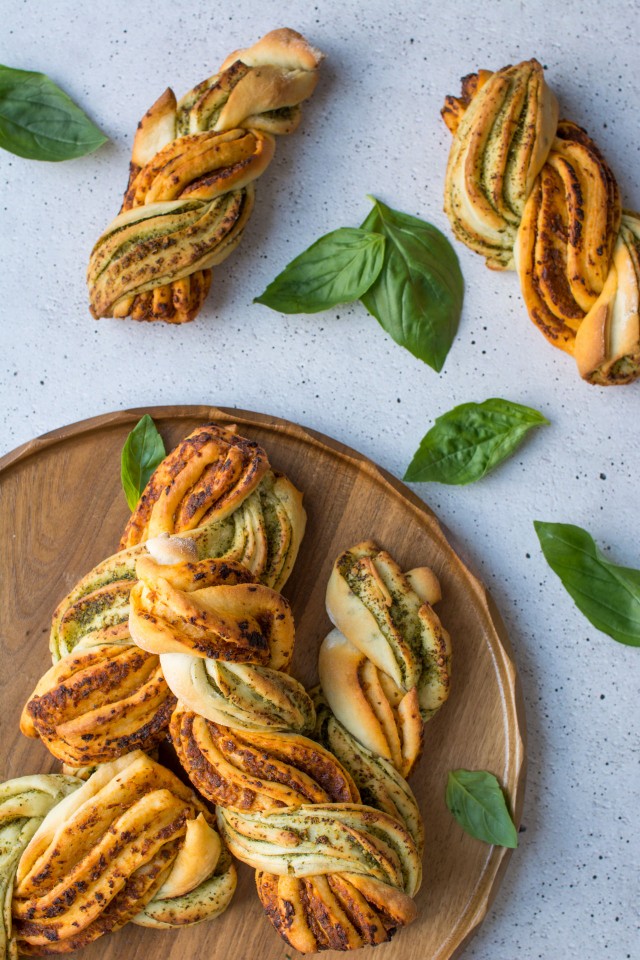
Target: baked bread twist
x,y
190,190
131,843
385,669
536,195
104,696
24,803
331,871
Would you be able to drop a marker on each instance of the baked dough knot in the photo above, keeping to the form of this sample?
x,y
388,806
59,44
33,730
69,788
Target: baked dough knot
x,y
132,843
535,194
385,669
191,185
217,490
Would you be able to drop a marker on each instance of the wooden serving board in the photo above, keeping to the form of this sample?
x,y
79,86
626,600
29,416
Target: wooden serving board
x,y
62,511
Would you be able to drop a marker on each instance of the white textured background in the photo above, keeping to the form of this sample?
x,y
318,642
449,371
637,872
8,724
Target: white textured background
x,y
372,127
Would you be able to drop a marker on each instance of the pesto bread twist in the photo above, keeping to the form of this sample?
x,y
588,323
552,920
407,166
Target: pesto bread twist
x,y
385,669
132,843
191,184
105,696
535,194
24,803
285,804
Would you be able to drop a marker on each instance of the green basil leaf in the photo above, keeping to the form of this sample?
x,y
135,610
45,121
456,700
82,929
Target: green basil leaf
x,y
608,595
337,268
417,298
467,442
475,799
39,121
141,454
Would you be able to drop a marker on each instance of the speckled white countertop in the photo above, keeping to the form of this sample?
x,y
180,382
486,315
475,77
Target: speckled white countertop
x,y
372,127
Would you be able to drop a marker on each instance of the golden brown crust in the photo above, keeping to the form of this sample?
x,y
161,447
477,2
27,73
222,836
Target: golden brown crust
x,y
566,237
455,107
96,704
607,348
205,478
256,771
212,609
284,47
333,912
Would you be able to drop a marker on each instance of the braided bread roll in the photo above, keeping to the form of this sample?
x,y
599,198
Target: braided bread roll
x,y
131,843
385,669
534,194
190,189
24,803
394,666
104,696
277,791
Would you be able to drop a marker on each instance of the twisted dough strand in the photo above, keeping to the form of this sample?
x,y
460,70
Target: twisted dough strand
x,y
536,195
190,191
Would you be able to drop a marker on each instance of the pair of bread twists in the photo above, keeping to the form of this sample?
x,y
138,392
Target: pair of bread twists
x,y
132,843
535,194
332,871
105,696
190,191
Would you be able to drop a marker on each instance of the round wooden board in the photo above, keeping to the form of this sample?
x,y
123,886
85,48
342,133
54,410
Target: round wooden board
x,y
62,511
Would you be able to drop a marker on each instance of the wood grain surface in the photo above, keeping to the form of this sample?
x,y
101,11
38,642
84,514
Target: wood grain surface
x,y
62,511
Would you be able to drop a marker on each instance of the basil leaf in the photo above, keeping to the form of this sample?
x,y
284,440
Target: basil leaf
x,y
39,121
141,454
467,442
337,268
475,799
417,298
608,595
